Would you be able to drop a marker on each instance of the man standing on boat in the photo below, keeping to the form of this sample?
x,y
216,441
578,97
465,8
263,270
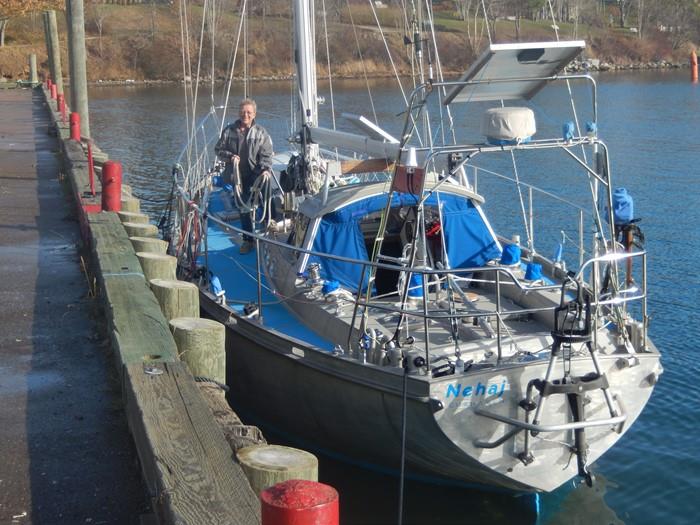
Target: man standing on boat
x,y
246,148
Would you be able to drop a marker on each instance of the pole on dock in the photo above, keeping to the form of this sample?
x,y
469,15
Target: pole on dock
x,y
55,50
693,66
49,55
33,74
78,60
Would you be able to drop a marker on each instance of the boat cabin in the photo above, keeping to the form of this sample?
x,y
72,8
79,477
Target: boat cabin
x,y
348,223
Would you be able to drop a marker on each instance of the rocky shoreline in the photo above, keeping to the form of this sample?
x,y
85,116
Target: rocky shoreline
x,y
594,64
589,65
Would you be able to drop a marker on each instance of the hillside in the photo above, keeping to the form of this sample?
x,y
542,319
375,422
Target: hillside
x,y
143,42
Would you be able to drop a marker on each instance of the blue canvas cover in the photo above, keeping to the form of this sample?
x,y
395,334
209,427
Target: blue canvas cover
x,y
469,242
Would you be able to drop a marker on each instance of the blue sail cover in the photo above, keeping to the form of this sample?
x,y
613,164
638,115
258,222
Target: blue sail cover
x,y
468,240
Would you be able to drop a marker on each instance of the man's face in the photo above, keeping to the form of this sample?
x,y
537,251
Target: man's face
x,y
247,114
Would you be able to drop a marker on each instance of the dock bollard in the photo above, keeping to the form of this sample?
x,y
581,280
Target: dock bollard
x,y
75,126
111,183
148,244
201,343
176,298
157,265
267,465
299,502
139,229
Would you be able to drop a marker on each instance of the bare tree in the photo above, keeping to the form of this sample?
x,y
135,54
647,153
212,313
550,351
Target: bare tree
x,y
99,13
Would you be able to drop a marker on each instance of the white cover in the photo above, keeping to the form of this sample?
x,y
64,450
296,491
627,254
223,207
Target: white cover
x,y
508,124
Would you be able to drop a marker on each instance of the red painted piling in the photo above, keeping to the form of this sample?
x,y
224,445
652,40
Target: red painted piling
x,y
91,169
75,126
54,91
693,66
299,502
111,185
61,100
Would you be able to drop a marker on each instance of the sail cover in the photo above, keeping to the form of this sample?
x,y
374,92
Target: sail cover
x,y
514,71
469,242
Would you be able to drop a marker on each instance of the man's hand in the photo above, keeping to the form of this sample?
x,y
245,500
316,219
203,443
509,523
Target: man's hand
x,y
235,159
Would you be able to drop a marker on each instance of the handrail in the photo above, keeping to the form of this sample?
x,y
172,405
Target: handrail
x,y
424,312
612,421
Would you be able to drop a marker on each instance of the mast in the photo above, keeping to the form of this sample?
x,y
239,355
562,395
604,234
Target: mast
x,y
305,57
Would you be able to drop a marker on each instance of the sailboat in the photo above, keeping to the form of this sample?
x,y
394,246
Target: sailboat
x,y
382,319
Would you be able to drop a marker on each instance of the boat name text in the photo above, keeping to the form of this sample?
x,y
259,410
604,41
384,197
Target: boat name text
x,y
493,389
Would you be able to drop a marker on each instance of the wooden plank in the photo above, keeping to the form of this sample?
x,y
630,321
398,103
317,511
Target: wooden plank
x,y
187,463
138,328
348,167
110,244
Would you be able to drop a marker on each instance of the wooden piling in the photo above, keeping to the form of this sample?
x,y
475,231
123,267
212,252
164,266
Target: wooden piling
x,y
136,229
176,298
33,74
133,217
148,244
55,49
201,344
78,81
157,265
47,38
267,465
131,204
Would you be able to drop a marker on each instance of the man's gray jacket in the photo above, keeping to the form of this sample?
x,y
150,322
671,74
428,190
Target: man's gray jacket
x,y
258,143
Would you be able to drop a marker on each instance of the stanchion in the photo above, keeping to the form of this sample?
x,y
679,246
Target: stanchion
x,y
75,126
111,185
299,502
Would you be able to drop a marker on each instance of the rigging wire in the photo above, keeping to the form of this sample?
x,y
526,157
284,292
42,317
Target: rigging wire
x,y
362,61
186,70
388,52
328,62
233,65
246,85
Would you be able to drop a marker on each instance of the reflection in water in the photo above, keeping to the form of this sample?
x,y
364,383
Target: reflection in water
x,y
580,505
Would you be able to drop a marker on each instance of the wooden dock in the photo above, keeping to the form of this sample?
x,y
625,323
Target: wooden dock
x,y
188,467
65,446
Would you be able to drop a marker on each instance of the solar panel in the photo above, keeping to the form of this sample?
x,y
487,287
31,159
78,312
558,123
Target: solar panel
x,y
514,71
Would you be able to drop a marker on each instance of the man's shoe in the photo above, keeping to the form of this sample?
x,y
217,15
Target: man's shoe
x,y
246,247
